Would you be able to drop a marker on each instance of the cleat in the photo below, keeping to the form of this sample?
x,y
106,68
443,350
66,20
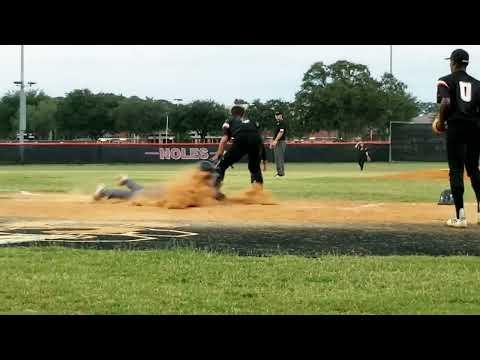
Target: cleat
x,y
99,193
122,180
457,223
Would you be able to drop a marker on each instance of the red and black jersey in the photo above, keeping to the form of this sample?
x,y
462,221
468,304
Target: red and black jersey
x,y
463,91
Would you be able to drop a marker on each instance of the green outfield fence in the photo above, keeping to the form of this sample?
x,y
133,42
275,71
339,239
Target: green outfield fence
x,y
416,142
97,153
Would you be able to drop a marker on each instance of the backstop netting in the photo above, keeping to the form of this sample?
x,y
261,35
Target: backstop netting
x,y
416,142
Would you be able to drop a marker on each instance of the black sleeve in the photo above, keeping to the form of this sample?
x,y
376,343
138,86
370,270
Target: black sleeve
x,y
443,89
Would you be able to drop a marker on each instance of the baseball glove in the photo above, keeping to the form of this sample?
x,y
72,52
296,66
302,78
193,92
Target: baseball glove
x,y
438,127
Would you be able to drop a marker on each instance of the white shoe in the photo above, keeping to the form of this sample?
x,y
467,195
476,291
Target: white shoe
x,y
457,223
122,180
99,192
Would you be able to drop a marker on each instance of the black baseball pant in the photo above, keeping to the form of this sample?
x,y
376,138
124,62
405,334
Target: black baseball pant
x,y
463,151
361,160
250,145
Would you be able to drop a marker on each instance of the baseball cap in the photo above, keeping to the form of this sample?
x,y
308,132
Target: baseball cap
x,y
278,113
459,56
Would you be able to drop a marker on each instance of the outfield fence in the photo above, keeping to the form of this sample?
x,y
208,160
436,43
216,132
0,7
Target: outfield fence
x,y
416,142
98,153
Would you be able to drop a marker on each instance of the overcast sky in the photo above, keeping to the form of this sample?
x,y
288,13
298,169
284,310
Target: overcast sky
x,y
221,73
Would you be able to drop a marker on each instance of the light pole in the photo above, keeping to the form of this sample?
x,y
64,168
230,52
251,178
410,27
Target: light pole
x,y
23,100
23,103
390,127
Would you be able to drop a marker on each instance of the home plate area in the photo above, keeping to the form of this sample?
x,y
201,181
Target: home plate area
x,y
104,236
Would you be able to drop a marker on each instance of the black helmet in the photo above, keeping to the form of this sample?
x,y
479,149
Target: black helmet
x,y
206,166
239,106
446,198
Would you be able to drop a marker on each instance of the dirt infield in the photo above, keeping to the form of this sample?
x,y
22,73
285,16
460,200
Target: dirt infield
x,y
54,207
306,228
185,213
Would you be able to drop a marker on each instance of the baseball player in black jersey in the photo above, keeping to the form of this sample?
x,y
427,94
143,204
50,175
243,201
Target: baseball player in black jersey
x,y
263,156
246,141
363,155
459,97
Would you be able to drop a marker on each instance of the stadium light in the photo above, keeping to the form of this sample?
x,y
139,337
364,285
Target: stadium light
x,y
23,107
390,126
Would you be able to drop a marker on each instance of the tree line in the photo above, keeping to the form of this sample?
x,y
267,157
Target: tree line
x,y
342,96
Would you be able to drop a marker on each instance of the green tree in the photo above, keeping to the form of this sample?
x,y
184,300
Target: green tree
x,y
6,114
397,103
205,117
311,106
83,113
179,123
42,118
9,110
128,116
262,113
428,107
343,96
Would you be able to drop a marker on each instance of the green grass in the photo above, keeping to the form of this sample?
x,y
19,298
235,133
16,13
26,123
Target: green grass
x,y
67,281
303,181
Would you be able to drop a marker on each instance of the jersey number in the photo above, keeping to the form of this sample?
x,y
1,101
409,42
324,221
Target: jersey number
x,y
465,91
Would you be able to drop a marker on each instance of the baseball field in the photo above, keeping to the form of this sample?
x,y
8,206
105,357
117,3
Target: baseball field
x,y
326,239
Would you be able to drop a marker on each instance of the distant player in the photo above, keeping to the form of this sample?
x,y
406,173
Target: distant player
x,y
279,143
362,153
459,97
246,141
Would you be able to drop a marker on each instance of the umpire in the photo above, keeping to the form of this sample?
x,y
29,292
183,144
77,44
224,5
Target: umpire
x,y
279,143
246,141
459,97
